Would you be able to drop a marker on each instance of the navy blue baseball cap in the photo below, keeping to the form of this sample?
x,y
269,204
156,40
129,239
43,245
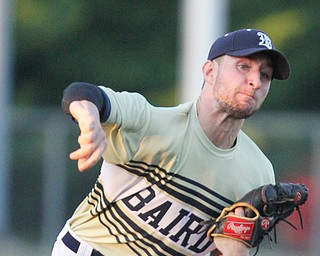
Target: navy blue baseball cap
x,y
245,42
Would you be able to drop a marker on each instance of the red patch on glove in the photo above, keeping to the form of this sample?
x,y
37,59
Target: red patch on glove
x,y
238,228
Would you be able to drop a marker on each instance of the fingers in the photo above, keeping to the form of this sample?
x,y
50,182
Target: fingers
x,y
86,161
89,153
92,140
239,211
84,152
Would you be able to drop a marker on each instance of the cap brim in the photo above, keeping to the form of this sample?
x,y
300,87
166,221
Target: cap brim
x,y
281,66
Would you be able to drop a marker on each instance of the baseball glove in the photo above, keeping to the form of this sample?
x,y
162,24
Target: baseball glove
x,y
264,208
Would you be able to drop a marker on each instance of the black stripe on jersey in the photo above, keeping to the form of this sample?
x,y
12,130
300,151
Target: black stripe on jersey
x,y
134,250
108,227
194,202
121,224
148,245
100,187
152,167
96,197
222,198
147,171
100,203
138,169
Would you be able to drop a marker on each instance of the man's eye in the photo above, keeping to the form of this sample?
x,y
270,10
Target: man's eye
x,y
265,75
243,66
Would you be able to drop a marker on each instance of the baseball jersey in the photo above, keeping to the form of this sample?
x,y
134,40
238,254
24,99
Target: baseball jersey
x,y
161,179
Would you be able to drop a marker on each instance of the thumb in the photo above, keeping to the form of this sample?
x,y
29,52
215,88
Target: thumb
x,y
239,211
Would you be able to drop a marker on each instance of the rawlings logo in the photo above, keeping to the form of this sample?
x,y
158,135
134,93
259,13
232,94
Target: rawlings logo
x,y
241,229
265,223
298,197
264,40
238,228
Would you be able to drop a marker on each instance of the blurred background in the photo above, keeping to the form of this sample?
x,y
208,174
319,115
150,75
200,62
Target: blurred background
x,y
156,48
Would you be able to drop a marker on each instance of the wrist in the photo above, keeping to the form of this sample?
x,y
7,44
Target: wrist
x,y
231,247
237,252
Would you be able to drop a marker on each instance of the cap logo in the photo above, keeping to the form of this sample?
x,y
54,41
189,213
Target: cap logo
x,y
264,40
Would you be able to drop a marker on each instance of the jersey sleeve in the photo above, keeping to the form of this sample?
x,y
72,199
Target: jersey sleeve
x,y
126,125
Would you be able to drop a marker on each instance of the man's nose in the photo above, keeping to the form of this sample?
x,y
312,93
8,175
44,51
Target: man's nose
x,y
254,79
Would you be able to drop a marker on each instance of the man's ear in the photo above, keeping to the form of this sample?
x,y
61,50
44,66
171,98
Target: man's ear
x,y
209,69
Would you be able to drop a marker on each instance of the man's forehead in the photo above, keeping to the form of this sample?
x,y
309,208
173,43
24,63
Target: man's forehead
x,y
262,57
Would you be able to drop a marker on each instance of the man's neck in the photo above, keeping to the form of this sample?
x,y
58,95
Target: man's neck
x,y
221,129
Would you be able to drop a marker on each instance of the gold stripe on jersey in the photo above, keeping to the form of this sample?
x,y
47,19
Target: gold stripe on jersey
x,y
126,231
182,188
123,229
166,247
97,199
119,226
140,239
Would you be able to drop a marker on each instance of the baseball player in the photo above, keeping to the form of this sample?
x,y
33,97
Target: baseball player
x,y
168,169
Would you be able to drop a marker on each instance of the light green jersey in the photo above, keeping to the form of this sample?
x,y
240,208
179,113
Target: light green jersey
x,y
160,179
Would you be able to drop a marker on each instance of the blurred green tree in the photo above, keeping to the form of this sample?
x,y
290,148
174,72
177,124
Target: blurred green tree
x,y
129,45
132,45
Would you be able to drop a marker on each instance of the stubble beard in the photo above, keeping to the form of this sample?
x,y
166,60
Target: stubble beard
x,y
235,110
232,107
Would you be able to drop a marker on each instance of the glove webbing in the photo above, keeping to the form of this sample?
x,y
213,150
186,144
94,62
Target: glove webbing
x,y
275,229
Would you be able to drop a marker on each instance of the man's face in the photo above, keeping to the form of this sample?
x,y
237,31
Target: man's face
x,y
242,84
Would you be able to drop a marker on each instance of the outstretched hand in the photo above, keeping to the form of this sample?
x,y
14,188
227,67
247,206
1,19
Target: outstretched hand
x,y
92,139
